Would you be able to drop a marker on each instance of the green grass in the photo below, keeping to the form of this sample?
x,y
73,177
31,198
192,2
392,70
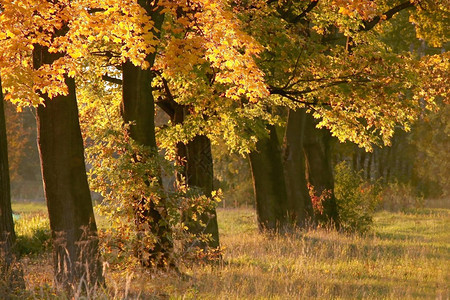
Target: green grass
x,y
29,207
425,226
32,227
405,256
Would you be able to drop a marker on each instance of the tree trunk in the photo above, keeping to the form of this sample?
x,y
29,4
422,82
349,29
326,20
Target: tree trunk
x,y
319,169
75,242
197,168
269,184
369,167
199,174
7,234
299,201
138,107
11,274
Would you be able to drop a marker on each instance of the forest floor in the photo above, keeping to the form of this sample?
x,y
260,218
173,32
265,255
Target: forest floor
x,y
405,256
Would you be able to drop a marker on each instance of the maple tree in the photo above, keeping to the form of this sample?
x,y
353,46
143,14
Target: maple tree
x,y
215,107
211,87
338,69
36,68
227,68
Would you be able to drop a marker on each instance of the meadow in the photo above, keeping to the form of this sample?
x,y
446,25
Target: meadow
x,y
405,256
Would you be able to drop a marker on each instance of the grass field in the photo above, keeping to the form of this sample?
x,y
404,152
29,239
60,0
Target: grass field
x,y
406,256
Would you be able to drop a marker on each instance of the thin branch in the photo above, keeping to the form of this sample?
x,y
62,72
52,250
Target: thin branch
x,y
294,71
277,90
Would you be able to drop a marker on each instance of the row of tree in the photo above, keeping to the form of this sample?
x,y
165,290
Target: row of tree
x,y
221,71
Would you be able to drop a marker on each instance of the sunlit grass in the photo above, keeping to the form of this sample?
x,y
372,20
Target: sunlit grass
x,y
424,226
323,264
29,207
33,234
405,256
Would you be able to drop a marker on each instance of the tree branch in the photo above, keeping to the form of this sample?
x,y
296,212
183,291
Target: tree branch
x,y
310,7
291,18
110,79
367,25
291,96
283,91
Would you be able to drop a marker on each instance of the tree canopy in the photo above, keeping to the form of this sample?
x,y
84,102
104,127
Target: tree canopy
x,y
234,70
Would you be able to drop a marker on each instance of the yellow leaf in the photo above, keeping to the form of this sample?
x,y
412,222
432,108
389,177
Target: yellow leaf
x,y
76,54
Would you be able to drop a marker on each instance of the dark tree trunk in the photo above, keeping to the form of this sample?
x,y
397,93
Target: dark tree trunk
x,y
199,174
269,184
369,167
138,107
11,274
299,201
319,169
362,159
379,163
7,234
387,163
358,159
75,242
197,169
355,160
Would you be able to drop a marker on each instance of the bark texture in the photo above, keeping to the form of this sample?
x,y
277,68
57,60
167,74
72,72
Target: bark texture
x,y
199,175
7,234
299,201
319,167
269,184
196,161
74,232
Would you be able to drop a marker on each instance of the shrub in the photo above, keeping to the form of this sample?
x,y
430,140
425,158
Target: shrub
x,y
356,199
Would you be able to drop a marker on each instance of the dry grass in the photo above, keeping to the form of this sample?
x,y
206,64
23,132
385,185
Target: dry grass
x,y
406,256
